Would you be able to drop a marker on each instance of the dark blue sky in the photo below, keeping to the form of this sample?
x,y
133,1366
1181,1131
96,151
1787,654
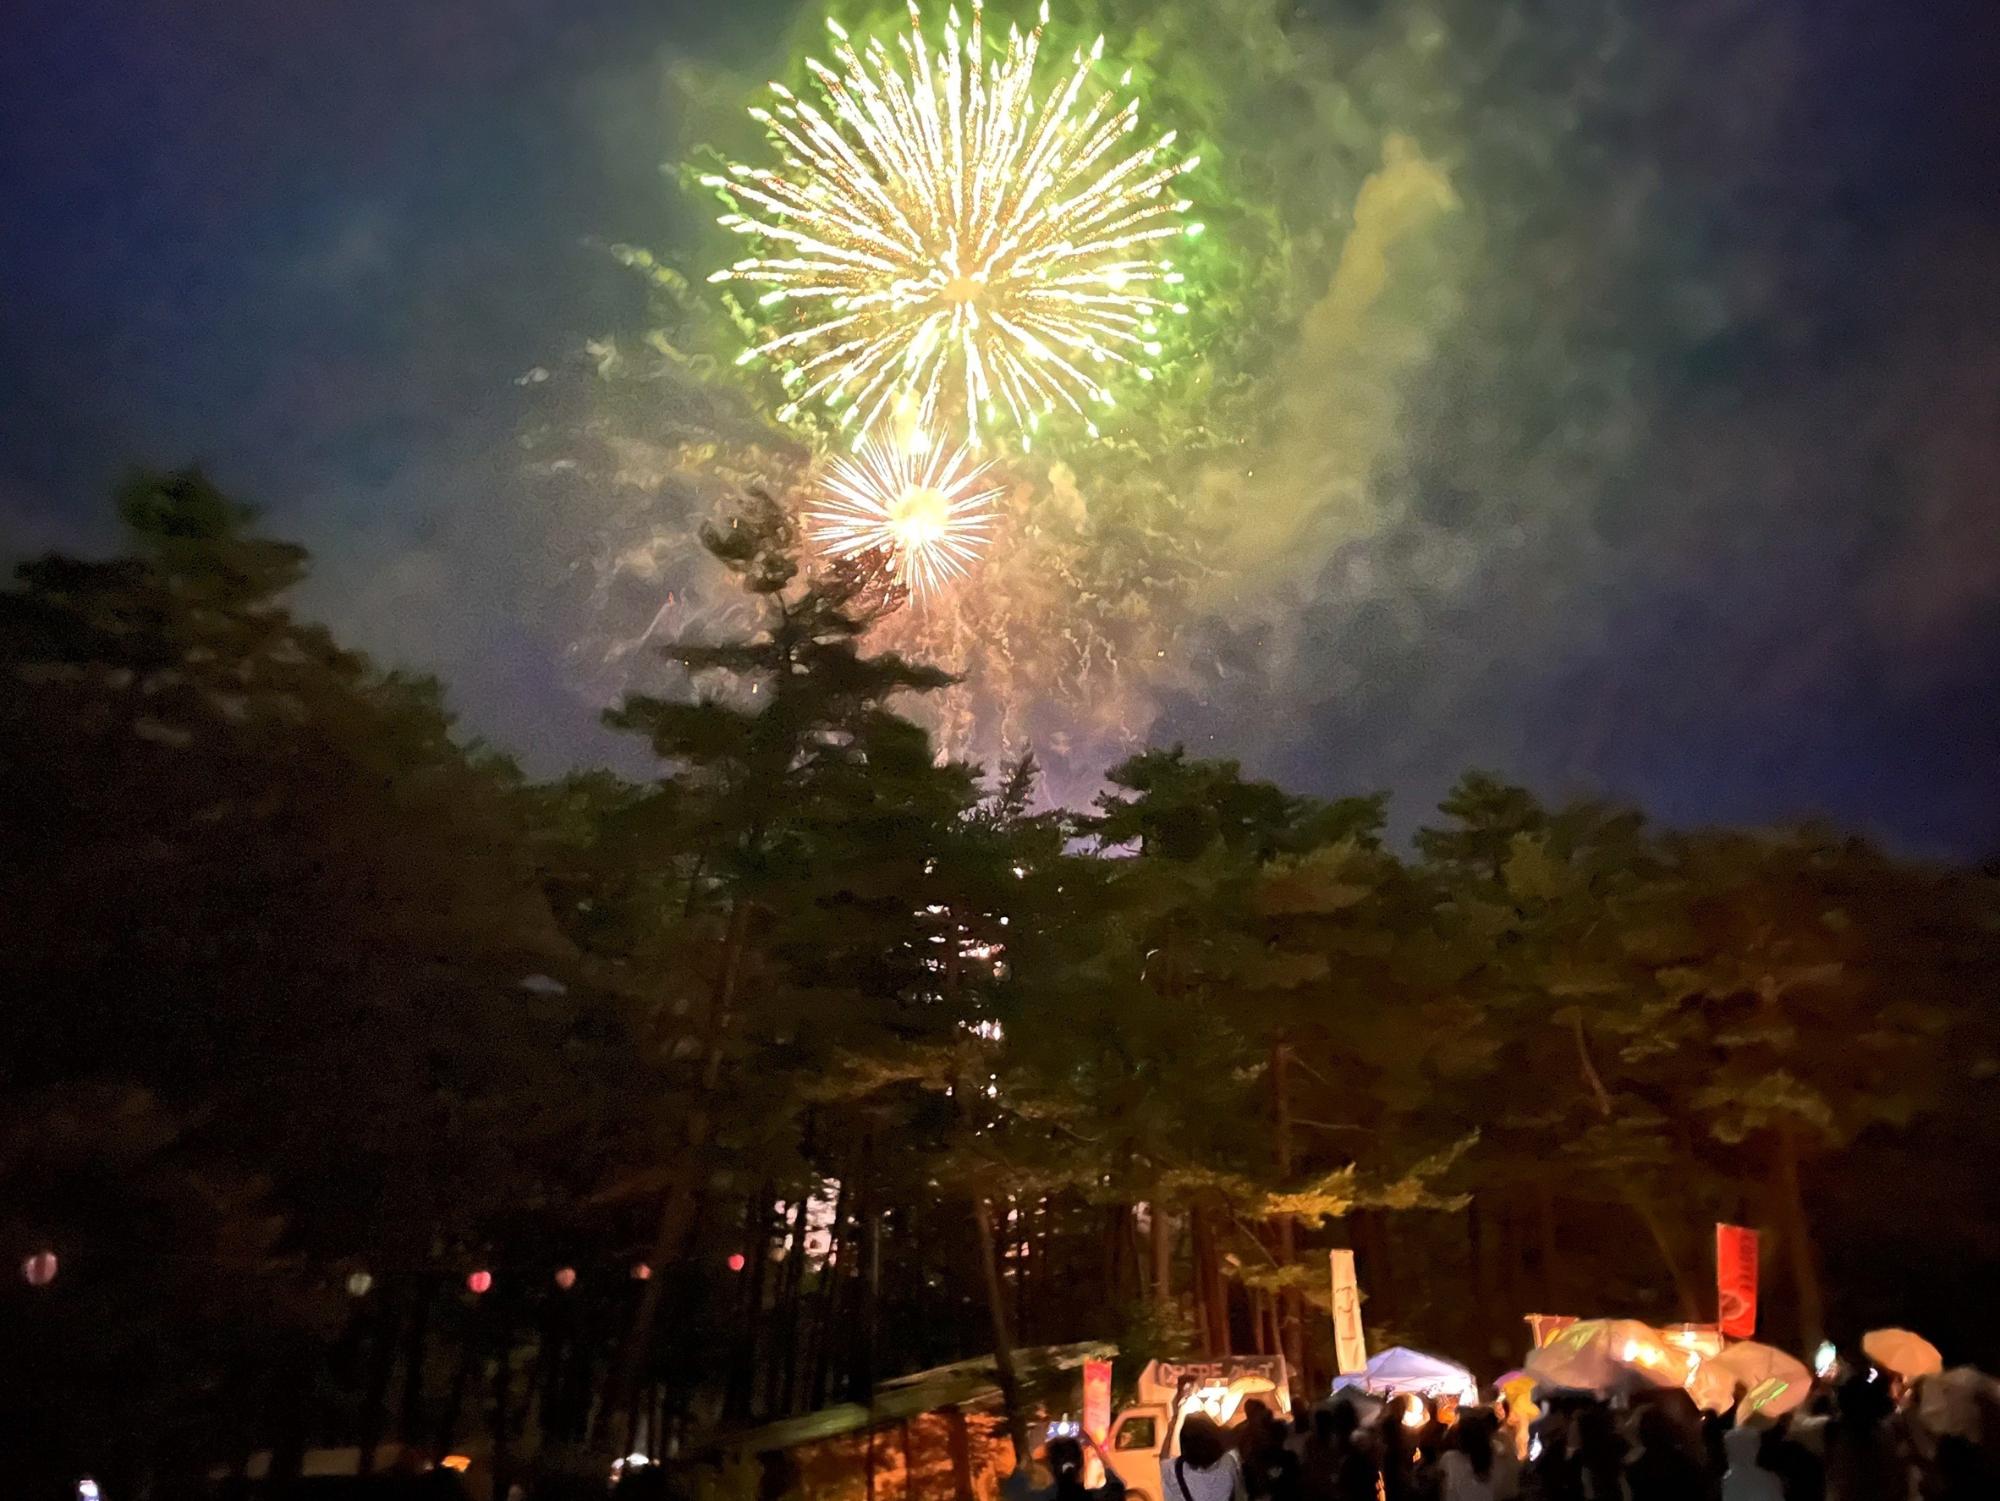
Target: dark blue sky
x,y
316,247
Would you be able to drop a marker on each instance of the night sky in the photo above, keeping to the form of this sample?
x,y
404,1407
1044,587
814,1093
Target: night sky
x,y
321,248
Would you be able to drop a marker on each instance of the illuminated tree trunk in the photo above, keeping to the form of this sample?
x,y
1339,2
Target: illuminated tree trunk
x,y
1003,1342
739,1397
501,1461
1796,1227
381,1367
960,1445
415,1352
871,1275
1545,1221
816,1373
678,1205
1291,1332
1685,1291
791,1309
1211,1295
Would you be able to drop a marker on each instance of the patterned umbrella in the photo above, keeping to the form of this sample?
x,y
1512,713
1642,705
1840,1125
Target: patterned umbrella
x,y
1773,1381
1610,1355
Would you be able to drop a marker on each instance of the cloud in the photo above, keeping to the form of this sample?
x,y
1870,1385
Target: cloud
x,y
360,245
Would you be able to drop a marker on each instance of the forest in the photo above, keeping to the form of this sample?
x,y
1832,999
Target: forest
x,y
364,1089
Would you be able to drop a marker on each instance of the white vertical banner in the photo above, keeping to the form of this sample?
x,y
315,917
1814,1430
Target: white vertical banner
x,y
1350,1346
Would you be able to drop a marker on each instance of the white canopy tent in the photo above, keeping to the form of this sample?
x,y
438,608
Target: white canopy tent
x,y
1398,1372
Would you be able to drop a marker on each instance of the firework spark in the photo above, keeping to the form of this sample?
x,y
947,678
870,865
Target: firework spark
x,y
916,501
938,229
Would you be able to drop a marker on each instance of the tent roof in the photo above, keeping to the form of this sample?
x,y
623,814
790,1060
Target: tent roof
x,y
968,1383
1399,1369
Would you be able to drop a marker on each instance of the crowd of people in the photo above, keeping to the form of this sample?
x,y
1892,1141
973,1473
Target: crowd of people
x,y
1863,1437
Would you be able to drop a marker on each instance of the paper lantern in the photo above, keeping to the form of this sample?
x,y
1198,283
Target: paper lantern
x,y
39,1269
641,1272
480,1280
736,1262
359,1284
566,1278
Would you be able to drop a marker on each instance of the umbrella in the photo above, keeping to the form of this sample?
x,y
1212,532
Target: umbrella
x,y
1902,1353
1769,1400
1610,1355
1711,1388
1397,1372
1957,1403
1755,1368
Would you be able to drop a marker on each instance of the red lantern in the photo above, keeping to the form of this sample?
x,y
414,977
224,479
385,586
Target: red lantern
x,y
566,1278
736,1262
641,1272
479,1281
40,1269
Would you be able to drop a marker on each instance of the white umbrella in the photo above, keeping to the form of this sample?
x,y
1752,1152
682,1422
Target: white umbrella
x,y
1902,1353
1610,1355
1756,1367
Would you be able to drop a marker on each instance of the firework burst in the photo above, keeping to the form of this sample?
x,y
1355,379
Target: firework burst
x,y
937,228
921,505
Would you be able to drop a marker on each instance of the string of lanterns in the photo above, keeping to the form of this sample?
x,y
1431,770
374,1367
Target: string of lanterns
x,y
39,1270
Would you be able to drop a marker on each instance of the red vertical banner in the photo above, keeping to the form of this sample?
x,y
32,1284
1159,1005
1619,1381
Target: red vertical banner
x,y
1096,1414
1097,1399
1736,1280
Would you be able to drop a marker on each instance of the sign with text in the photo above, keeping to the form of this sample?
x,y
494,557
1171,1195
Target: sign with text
x,y
1736,1280
1203,1373
1350,1345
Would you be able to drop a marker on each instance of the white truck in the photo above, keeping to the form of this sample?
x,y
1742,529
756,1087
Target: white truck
x,y
1145,1436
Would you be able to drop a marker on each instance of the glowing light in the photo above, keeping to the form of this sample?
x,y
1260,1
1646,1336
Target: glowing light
x,y
359,1284
923,507
736,1261
1219,1402
940,226
1825,1358
87,1490
641,1272
1414,1415
458,1462
566,1278
479,1282
1704,1341
39,1270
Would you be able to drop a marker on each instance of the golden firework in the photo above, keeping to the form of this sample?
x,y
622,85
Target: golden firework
x,y
915,501
935,227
